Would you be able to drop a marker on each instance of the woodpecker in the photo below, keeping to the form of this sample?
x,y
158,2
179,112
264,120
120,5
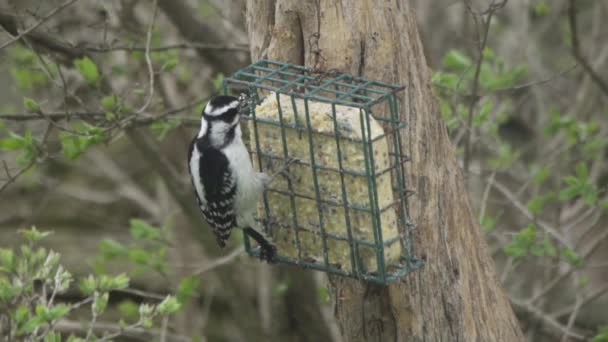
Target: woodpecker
x,y
225,184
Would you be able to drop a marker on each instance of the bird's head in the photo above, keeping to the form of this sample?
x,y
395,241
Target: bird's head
x,y
221,115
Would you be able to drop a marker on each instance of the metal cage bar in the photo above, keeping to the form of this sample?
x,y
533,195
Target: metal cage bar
x,y
353,258
292,199
316,184
337,89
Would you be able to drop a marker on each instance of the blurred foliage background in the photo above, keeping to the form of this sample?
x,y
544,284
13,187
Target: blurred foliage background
x,y
100,100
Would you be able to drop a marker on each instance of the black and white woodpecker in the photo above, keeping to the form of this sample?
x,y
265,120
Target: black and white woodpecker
x,y
225,184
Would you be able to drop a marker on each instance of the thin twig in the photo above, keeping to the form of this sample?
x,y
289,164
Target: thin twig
x,y
96,115
12,178
486,194
142,294
577,52
177,46
572,318
517,204
163,329
36,25
551,322
586,253
131,331
475,96
220,261
149,59
588,299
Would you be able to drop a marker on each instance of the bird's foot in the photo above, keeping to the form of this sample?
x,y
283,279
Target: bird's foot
x,y
268,253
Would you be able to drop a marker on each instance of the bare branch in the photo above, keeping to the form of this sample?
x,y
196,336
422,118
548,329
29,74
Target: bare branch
x,y
522,208
572,318
220,261
12,178
551,322
129,331
194,30
148,59
178,46
55,116
577,52
40,22
474,93
588,299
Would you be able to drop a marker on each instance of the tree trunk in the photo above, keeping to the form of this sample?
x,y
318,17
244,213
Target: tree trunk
x,y
455,296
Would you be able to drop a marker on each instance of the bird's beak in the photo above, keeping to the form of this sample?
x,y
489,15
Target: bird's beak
x,y
247,104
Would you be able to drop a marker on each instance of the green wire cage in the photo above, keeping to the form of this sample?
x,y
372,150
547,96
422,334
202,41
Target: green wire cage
x,y
342,205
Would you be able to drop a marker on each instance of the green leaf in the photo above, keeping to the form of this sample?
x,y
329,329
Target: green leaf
x,y
139,256
100,303
550,249
218,81
146,312
168,305
52,337
109,103
8,292
143,231
540,9
323,295
594,146
107,283
111,249
31,105
536,204
15,142
591,196
7,259
87,69
70,145
572,257
446,79
541,175
22,313
33,235
120,281
187,287
581,171
488,223
170,63
484,113
30,325
128,309
568,193
73,338
87,285
505,158
58,311
456,60
602,335
28,77
75,144
206,9
161,128
281,288
522,242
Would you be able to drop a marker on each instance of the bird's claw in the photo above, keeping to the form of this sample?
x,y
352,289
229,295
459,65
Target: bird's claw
x,y
268,253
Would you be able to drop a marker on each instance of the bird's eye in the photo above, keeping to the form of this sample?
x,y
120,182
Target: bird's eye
x,y
229,116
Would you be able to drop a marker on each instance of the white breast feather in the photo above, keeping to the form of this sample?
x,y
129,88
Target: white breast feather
x,y
249,183
195,172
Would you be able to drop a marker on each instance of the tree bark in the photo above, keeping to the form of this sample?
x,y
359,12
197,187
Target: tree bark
x,y
455,296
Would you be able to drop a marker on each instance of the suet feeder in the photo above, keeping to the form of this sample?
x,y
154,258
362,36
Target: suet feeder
x,y
342,205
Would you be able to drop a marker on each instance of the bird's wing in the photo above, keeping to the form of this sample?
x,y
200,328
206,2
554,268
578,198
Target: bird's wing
x,y
220,193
